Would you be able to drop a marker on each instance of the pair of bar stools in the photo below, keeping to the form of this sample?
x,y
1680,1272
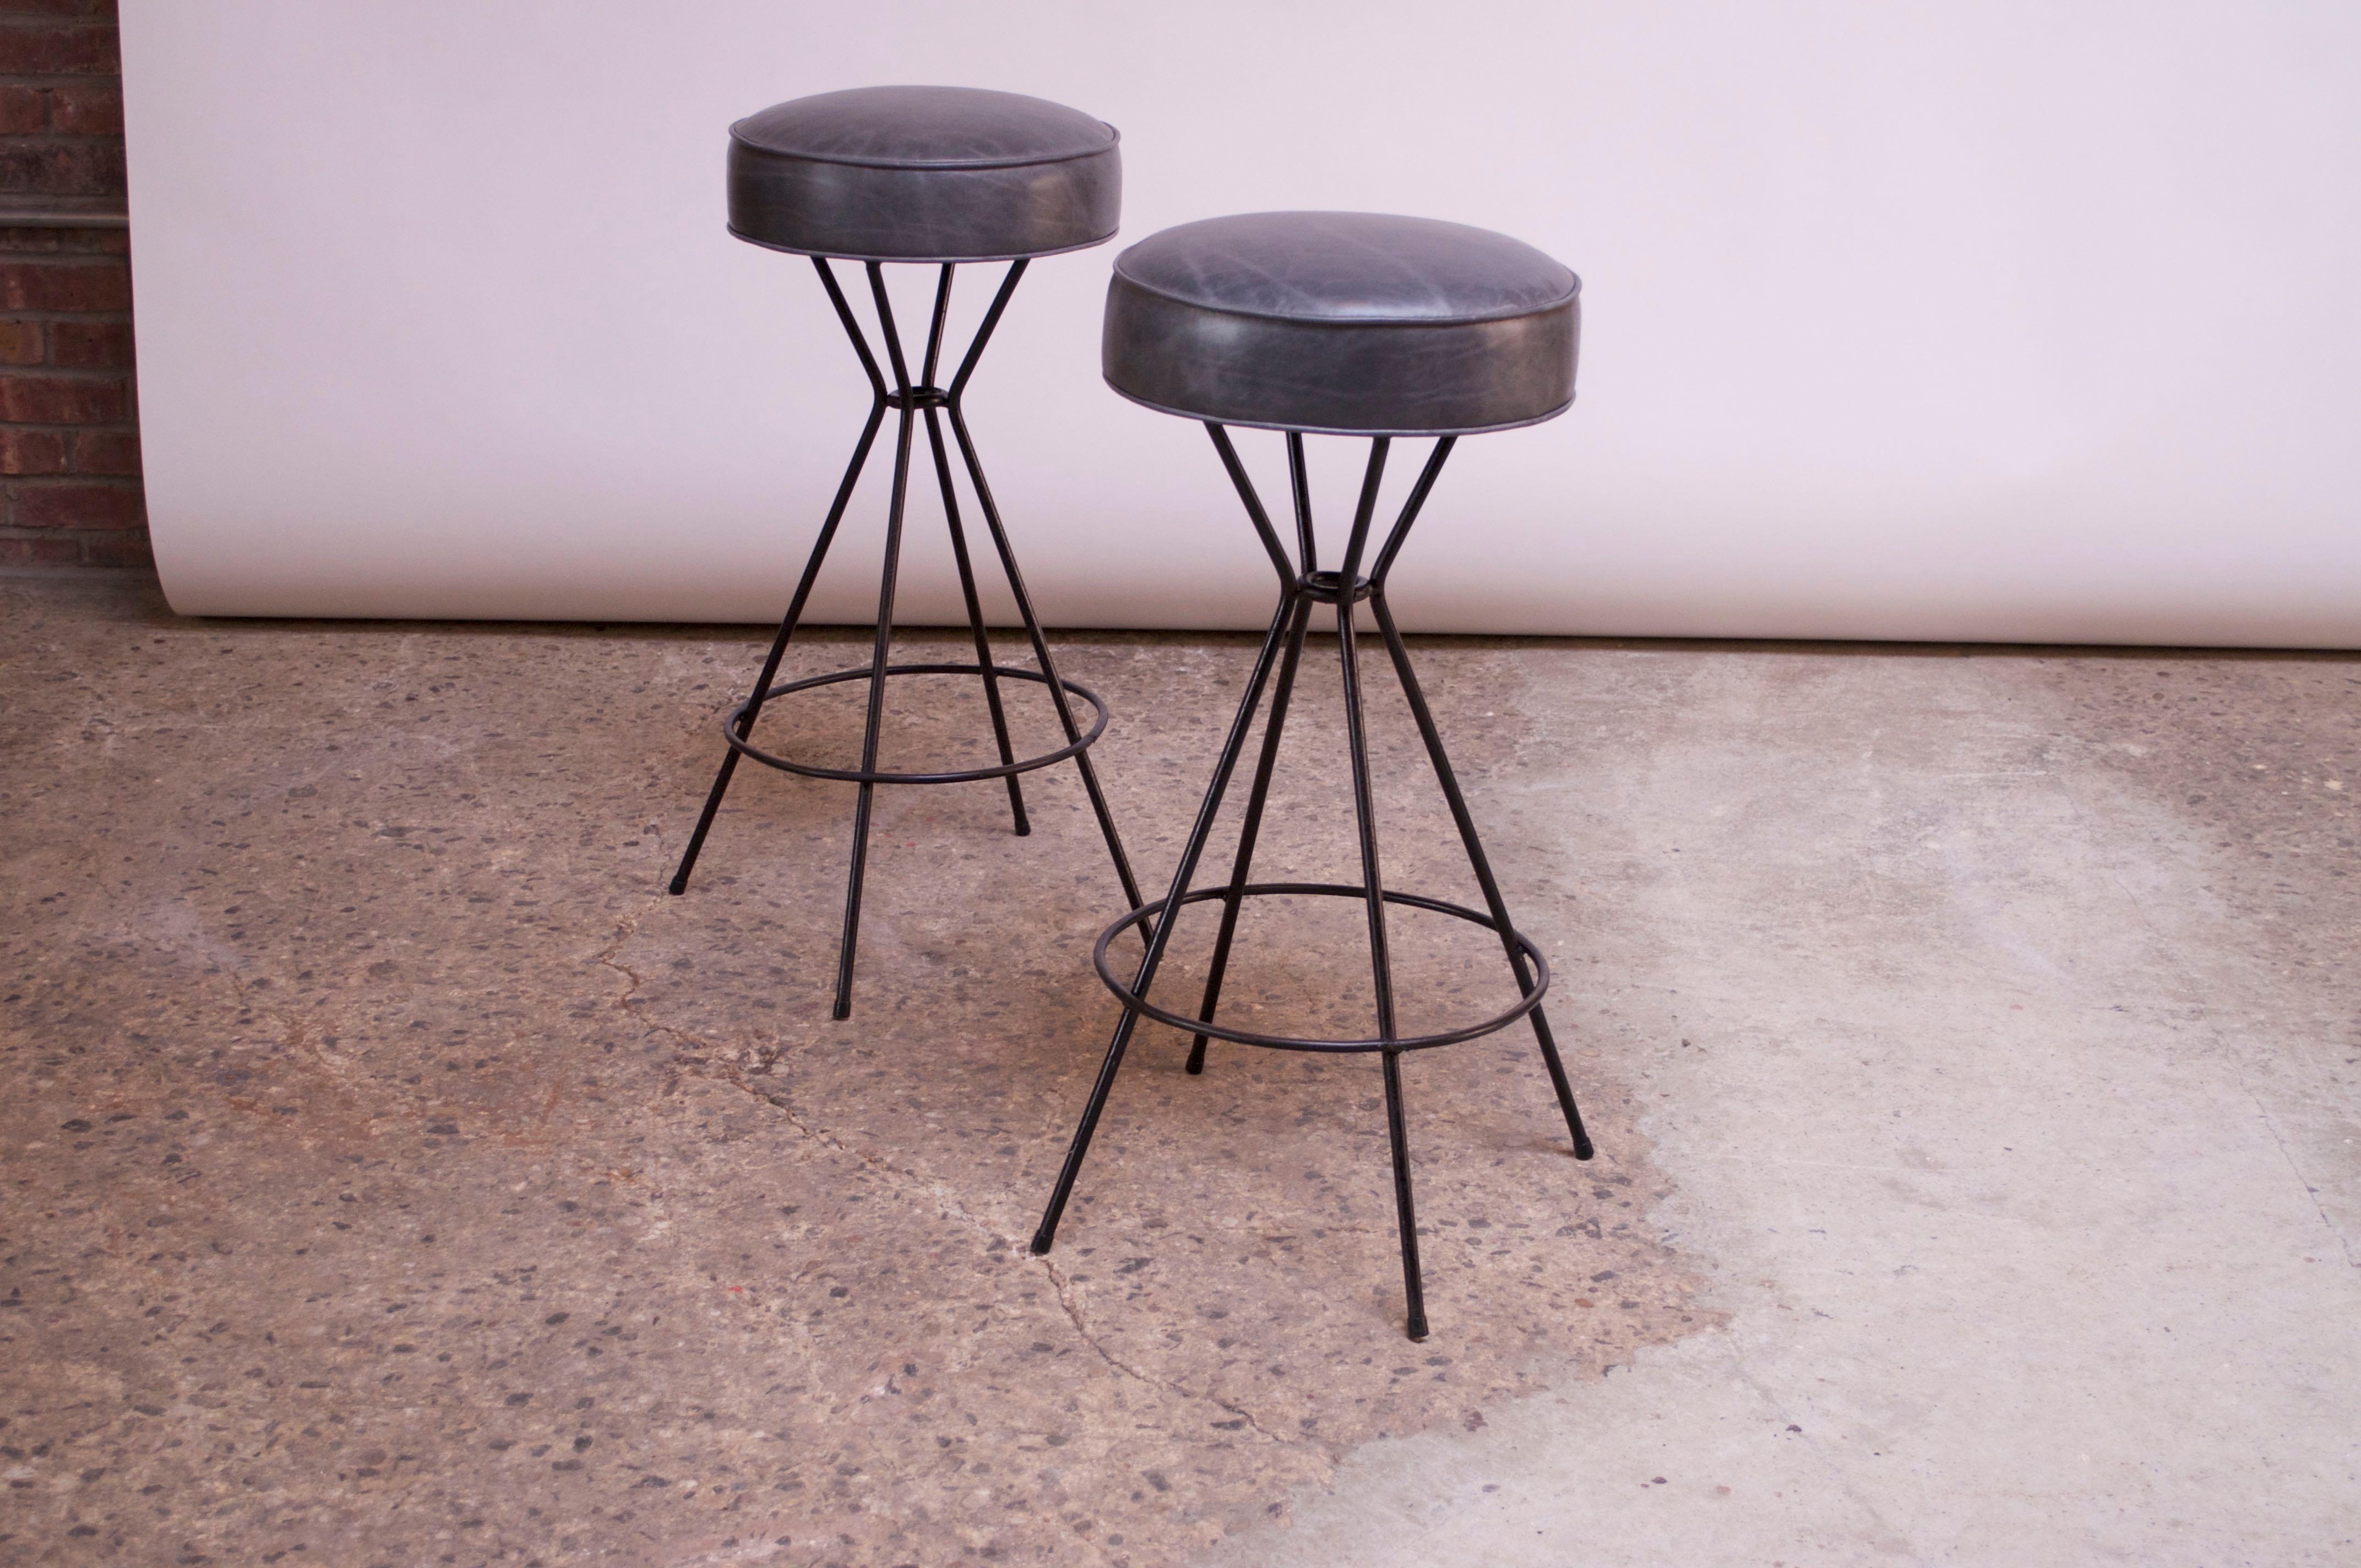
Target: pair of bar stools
x,y
1342,324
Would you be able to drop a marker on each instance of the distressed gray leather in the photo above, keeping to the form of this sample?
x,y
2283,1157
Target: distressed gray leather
x,y
1352,322
924,175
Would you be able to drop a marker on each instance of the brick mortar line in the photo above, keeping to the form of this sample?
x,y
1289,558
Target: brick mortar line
x,y
67,372
68,473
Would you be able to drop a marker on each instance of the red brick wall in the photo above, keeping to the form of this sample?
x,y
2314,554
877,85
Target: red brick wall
x,y
69,487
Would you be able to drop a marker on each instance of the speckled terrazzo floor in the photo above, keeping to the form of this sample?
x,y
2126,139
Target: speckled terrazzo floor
x,y
396,1172
394,1175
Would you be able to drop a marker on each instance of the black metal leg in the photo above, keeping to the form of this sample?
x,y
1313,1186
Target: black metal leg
x,y
778,647
1373,885
1017,586
1449,780
884,645
1405,1212
966,571
1251,828
1493,903
976,622
876,719
1300,490
1162,934
803,586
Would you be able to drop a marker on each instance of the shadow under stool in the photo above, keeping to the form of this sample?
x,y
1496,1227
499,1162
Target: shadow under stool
x,y
945,177
1345,323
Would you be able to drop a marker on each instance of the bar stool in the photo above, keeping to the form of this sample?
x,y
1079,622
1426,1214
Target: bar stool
x,y
944,176
1348,323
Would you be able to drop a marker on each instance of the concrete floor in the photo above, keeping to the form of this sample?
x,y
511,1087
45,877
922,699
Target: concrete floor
x,y
394,1175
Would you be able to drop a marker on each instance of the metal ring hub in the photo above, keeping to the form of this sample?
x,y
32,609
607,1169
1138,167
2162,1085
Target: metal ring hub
x,y
1328,588
1145,911
963,775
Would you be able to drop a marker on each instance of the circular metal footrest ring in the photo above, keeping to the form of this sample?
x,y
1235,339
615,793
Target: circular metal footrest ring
x,y
963,775
1147,912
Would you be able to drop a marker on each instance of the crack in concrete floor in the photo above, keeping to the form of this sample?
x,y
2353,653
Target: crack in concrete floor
x,y
946,1201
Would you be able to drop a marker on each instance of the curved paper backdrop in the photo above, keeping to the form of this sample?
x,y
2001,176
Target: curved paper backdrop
x,y
2014,321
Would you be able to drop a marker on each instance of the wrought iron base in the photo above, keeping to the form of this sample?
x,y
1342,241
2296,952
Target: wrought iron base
x,y
1203,1023
1302,585
910,401
737,742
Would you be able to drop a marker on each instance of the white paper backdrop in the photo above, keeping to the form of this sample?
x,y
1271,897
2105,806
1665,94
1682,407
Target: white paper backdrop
x,y
2013,320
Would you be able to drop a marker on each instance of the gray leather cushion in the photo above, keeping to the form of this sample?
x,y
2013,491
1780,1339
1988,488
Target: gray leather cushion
x,y
1355,322
924,175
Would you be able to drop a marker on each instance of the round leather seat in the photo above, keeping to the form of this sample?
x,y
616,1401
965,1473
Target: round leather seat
x,y
1347,322
924,175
